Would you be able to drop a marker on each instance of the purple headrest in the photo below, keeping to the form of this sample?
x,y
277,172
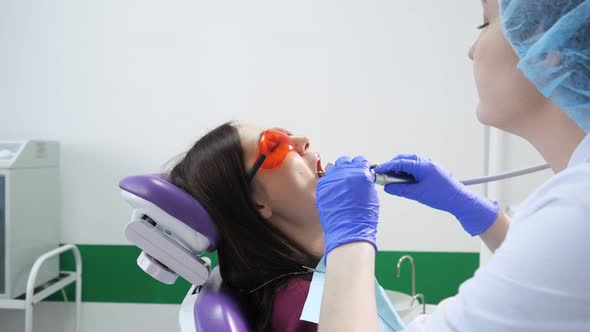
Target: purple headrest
x,y
157,189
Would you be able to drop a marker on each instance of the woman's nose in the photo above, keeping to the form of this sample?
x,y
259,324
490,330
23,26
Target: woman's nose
x,y
302,142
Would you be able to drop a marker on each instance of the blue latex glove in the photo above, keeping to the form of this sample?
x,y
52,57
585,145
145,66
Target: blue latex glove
x,y
347,203
438,189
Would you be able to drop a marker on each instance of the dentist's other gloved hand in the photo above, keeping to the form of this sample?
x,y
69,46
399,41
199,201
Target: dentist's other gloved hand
x,y
347,203
438,189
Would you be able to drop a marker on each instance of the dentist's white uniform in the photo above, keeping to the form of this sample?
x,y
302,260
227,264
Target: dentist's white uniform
x,y
539,279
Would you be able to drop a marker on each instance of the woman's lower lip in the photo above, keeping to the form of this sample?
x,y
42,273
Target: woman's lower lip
x,y
323,171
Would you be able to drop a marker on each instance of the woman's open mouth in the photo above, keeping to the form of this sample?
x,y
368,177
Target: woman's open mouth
x,y
319,167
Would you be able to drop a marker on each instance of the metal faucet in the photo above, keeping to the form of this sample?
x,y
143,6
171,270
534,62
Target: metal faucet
x,y
421,296
399,265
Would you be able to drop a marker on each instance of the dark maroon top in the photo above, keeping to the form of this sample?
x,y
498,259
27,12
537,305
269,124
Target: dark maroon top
x,y
288,305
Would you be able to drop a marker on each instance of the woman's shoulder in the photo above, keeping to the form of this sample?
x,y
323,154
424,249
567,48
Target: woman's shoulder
x,y
288,305
294,287
291,296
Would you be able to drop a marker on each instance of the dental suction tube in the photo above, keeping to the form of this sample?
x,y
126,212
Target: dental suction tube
x,y
392,178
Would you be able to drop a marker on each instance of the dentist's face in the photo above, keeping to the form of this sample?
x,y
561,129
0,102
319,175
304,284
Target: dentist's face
x,y
507,99
286,194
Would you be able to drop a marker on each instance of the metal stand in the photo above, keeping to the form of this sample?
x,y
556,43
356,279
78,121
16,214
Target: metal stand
x,y
65,278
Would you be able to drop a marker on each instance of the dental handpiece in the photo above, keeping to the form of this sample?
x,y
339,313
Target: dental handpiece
x,y
391,178
383,179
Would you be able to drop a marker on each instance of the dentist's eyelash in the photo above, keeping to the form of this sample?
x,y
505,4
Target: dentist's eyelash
x,y
479,27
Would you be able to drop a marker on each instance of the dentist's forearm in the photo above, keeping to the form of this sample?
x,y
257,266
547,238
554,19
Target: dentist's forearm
x,y
495,235
348,303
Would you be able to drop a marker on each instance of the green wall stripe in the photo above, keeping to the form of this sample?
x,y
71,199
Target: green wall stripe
x,y
438,274
110,274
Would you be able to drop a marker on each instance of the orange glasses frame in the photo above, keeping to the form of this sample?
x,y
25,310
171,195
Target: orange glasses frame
x,y
273,148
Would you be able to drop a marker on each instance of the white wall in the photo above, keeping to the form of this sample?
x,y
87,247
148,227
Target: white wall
x,y
126,85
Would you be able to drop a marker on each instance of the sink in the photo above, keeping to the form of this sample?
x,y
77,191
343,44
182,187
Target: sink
x,y
410,315
401,302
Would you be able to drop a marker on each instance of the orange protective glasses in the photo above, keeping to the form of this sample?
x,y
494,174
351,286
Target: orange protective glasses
x,y
273,148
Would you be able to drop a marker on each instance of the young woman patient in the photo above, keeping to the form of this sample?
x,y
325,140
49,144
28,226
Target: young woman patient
x,y
258,184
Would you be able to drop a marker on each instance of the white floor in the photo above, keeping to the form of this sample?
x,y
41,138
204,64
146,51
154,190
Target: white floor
x,y
95,317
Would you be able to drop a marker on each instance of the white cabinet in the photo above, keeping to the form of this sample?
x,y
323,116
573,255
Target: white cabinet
x,y
29,212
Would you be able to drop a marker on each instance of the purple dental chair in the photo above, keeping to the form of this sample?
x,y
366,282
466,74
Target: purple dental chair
x,y
173,229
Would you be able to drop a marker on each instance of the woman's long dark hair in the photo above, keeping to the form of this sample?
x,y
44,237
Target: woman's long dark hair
x,y
252,250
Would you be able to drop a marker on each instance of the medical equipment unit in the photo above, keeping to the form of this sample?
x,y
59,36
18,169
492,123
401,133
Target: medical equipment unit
x,y
29,212
173,229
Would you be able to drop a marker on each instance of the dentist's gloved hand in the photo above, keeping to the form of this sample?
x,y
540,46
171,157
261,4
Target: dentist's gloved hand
x,y
438,189
347,203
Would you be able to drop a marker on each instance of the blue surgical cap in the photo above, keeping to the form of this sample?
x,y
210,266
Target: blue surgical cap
x,y
552,40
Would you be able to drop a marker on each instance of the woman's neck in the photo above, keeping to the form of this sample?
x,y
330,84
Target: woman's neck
x,y
308,235
554,135
312,239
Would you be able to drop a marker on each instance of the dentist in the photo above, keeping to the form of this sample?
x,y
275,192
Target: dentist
x,y
532,70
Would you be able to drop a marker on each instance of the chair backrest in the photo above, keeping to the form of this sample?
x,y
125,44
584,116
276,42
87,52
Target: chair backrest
x,y
213,308
173,230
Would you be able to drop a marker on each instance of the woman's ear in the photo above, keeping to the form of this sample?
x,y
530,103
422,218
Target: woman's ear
x,y
264,210
261,202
